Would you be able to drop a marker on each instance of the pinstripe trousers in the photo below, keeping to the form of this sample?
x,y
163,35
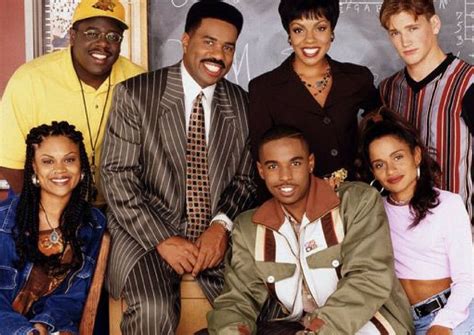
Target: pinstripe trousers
x,y
152,295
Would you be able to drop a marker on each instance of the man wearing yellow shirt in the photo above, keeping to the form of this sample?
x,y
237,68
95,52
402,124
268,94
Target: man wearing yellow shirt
x,y
75,85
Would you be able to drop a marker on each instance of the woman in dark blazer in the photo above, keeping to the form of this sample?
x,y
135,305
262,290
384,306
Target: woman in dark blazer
x,y
311,91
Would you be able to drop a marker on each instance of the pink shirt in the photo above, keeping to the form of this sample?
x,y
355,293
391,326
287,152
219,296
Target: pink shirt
x,y
440,246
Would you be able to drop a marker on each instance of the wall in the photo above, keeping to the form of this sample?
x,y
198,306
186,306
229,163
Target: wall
x,y
12,39
12,43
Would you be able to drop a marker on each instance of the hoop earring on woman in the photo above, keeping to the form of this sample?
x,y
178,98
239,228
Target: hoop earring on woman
x,y
82,175
34,180
372,184
332,37
418,172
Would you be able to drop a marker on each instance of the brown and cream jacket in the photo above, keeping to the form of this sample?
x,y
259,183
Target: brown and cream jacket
x,y
343,252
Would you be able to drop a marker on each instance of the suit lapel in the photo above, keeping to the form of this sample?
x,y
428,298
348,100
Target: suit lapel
x,y
172,124
221,142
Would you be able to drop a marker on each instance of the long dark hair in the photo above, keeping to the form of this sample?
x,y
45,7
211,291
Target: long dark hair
x,y
77,210
386,123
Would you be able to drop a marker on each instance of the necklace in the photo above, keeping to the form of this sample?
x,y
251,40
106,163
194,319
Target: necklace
x,y
54,237
93,143
319,85
398,202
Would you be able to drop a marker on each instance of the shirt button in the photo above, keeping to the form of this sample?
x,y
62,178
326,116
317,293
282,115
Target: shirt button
x,y
327,120
334,152
335,263
270,279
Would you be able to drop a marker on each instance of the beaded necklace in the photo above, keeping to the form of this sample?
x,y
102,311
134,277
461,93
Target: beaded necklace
x,y
319,85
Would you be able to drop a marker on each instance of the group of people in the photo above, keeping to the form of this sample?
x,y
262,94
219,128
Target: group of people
x,y
246,192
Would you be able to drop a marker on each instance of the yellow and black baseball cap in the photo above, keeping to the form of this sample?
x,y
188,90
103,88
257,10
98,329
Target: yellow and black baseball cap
x,y
87,9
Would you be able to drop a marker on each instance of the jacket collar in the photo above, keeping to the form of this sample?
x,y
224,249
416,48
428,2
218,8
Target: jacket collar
x,y
321,199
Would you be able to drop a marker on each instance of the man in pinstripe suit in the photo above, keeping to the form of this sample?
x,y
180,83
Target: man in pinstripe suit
x,y
144,172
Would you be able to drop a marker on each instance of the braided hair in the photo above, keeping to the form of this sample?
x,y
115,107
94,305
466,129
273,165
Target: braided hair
x,y
76,212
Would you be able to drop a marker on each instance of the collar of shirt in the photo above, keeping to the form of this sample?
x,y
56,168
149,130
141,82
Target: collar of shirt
x,y
191,90
294,223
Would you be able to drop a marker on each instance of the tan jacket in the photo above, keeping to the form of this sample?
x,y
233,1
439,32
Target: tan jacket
x,y
344,253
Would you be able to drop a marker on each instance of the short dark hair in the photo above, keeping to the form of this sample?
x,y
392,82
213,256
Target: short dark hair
x,y
215,9
281,131
296,9
415,7
386,123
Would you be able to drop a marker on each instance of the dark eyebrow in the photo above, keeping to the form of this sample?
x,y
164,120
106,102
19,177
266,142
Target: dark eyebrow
x,y
296,158
69,153
269,162
210,37
396,152
215,40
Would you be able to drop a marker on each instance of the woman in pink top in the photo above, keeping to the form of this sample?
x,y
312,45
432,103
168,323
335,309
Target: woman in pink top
x,y
430,228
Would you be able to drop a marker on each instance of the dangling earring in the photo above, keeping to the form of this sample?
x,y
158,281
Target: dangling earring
x,y
332,37
82,175
289,40
372,184
418,172
34,180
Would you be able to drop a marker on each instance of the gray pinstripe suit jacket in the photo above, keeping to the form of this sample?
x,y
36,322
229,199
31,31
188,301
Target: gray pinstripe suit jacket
x,y
143,166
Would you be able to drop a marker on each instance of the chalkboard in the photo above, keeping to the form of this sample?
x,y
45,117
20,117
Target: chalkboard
x,y
263,45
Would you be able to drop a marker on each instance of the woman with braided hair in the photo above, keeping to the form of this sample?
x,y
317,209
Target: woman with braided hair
x,y
49,236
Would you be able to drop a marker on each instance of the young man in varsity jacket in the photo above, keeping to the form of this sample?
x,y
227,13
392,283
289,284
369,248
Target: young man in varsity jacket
x,y
435,91
326,256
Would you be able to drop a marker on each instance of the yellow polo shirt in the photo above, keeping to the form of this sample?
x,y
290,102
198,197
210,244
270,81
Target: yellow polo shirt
x,y
47,89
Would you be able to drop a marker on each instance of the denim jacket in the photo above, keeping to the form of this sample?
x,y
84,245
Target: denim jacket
x,y
62,309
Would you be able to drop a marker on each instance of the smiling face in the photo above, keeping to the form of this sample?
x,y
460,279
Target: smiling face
x,y
310,39
208,51
93,60
57,166
286,165
394,165
415,38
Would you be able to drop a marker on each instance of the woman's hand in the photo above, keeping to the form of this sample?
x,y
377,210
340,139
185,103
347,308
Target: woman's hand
x,y
439,330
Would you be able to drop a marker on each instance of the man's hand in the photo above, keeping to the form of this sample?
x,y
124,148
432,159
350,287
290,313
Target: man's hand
x,y
439,330
179,253
212,245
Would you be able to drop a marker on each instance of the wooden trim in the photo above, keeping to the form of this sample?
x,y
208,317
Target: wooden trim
x,y
90,308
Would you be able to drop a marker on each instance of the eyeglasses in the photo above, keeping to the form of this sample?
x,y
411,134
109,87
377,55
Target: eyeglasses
x,y
94,35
